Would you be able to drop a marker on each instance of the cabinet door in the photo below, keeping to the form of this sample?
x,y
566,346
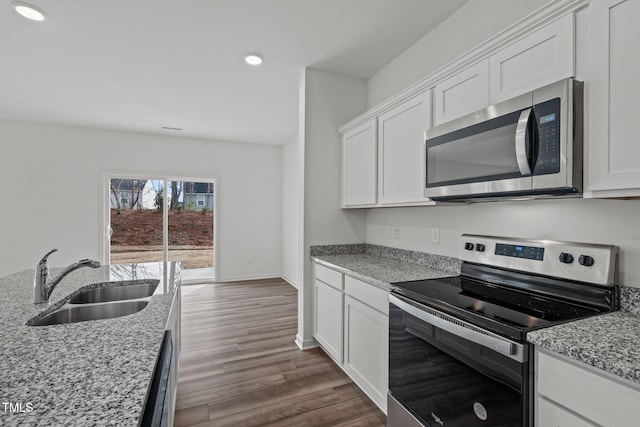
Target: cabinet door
x,y
366,357
613,93
327,318
359,166
401,161
539,59
464,93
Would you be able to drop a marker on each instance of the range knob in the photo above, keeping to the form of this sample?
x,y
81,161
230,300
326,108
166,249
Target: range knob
x,y
566,258
479,247
586,260
469,246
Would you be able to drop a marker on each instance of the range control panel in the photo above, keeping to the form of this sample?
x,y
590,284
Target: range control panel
x,y
585,262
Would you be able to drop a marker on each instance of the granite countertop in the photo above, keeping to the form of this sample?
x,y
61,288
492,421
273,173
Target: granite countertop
x,y
85,373
381,266
608,342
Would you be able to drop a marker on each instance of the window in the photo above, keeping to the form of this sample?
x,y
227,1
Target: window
x,y
124,199
200,199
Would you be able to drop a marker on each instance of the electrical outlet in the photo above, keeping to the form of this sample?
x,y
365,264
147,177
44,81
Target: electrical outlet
x,y
435,235
395,232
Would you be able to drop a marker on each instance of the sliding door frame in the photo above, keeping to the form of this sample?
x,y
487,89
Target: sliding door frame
x,y
105,212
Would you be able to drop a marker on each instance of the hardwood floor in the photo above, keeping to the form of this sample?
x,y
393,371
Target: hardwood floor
x,y
240,366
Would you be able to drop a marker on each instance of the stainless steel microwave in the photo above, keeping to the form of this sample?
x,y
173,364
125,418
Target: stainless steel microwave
x,y
530,145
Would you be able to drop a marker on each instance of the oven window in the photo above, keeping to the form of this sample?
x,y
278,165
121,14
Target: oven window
x,y
481,152
445,380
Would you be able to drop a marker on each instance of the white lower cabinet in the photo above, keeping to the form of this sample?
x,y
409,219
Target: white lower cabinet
x,y
352,326
327,316
366,349
552,415
571,394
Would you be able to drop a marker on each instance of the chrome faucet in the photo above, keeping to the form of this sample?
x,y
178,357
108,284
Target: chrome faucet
x,y
43,285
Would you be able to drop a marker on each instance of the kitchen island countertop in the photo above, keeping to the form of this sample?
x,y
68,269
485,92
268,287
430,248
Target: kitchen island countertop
x,y
86,373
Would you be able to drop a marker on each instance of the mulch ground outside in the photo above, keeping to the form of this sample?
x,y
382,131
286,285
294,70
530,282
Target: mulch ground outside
x,y
137,237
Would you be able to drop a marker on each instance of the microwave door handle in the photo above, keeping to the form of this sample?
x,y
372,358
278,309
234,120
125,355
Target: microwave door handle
x,y
521,142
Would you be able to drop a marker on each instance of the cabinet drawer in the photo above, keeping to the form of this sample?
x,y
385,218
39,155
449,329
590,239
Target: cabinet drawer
x,y
328,276
368,294
599,399
550,415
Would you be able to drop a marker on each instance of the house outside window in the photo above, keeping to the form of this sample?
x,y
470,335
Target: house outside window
x,y
200,200
124,199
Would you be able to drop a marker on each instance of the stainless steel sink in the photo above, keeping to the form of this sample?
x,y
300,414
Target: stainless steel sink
x,y
142,289
82,313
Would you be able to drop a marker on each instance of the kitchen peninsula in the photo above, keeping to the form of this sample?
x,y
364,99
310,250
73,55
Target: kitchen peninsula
x,y
90,372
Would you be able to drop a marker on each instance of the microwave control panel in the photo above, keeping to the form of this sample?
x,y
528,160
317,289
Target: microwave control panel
x,y
547,116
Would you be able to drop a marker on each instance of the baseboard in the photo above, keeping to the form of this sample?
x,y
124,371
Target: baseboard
x,y
196,281
306,344
253,277
289,281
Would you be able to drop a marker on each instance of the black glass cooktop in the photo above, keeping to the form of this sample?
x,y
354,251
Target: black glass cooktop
x,y
496,307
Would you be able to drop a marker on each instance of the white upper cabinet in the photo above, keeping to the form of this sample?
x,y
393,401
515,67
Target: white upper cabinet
x,y
536,60
401,156
383,164
359,175
463,93
613,88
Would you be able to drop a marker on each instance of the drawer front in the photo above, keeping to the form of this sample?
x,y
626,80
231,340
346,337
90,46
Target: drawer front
x,y
368,294
594,397
330,277
550,415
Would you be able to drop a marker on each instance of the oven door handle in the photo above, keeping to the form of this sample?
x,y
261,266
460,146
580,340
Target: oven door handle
x,y
521,142
464,330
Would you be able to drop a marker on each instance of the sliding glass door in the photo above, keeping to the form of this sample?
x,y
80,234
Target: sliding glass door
x,y
151,219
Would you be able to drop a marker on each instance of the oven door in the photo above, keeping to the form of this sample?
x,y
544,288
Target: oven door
x,y
446,372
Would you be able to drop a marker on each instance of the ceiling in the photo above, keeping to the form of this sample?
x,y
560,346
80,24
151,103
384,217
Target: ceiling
x,y
141,65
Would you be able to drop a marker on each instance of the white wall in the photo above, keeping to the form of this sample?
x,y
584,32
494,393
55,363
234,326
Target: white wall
x,y
466,28
330,100
290,240
51,176
578,220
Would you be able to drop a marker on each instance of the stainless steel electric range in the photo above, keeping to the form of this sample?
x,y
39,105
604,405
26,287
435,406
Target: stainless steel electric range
x,y
458,355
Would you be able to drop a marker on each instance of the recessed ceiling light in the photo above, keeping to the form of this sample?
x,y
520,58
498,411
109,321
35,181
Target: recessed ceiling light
x,y
253,59
28,11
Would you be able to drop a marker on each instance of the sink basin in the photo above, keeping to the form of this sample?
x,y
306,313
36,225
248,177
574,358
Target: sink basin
x,y
142,289
82,313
